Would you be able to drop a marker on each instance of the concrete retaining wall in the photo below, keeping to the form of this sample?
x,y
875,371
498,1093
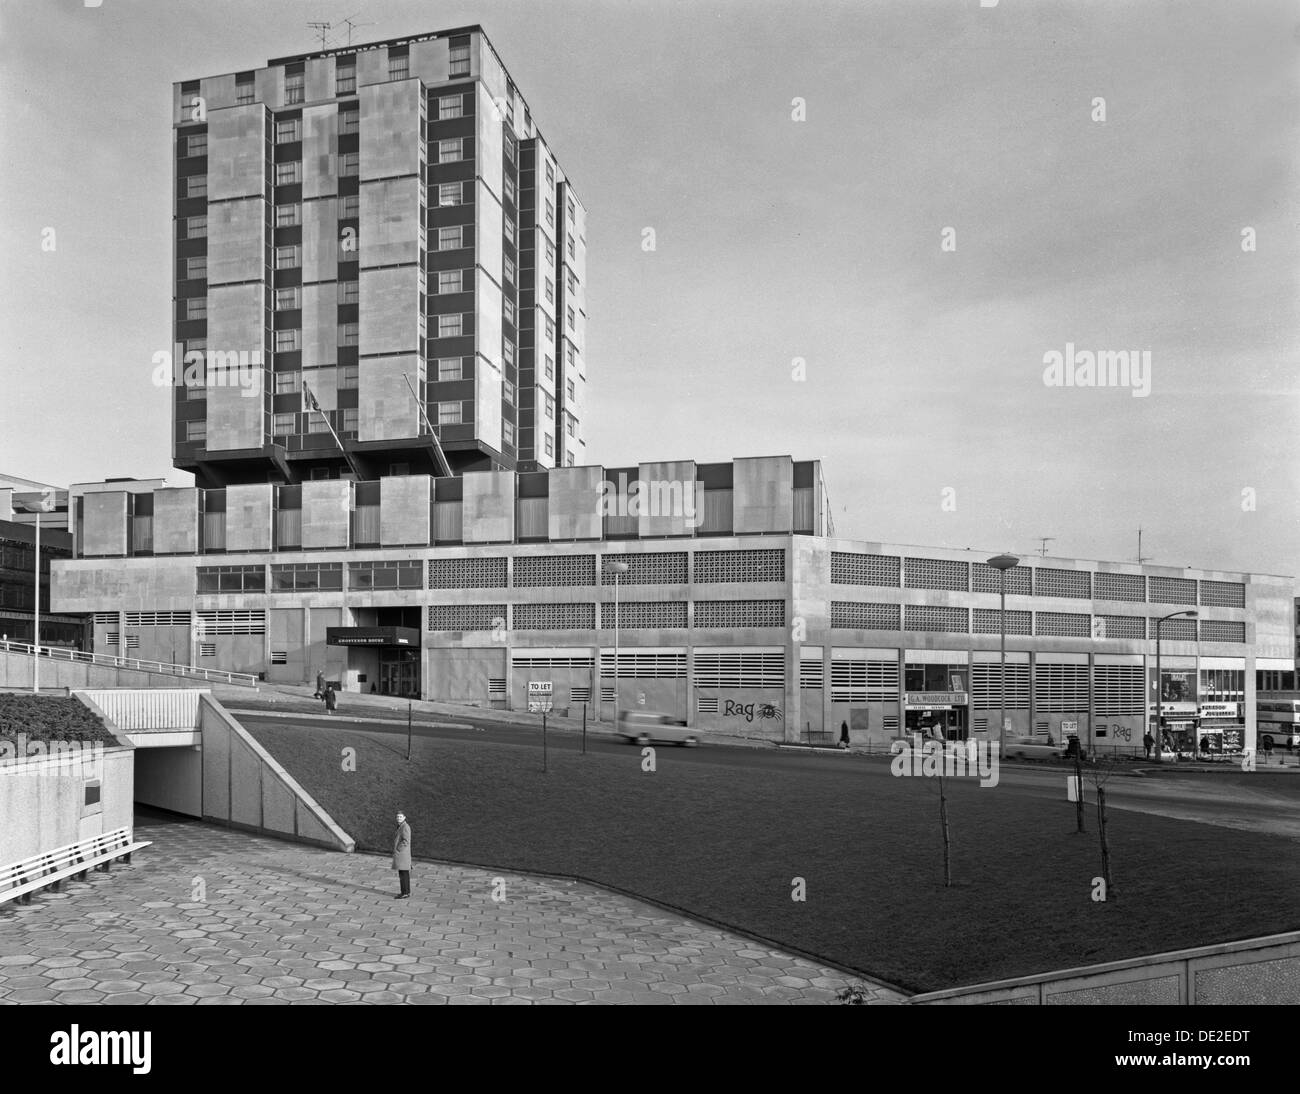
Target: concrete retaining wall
x,y
242,785
16,675
1259,970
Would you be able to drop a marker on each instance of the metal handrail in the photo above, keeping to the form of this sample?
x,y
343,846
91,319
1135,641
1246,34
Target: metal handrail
x,y
59,653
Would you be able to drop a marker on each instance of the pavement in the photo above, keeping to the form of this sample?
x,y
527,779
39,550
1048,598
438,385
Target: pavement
x,y
211,916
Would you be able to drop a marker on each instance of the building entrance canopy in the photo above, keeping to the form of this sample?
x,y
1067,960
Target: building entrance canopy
x,y
400,637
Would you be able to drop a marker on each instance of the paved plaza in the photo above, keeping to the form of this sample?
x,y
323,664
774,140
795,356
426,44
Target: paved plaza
x,y
211,916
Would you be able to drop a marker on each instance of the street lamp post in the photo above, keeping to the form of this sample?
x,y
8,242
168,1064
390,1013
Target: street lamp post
x,y
36,615
1160,683
617,568
1002,563
38,502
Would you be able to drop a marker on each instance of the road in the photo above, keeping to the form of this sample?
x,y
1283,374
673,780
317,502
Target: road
x,y
1264,802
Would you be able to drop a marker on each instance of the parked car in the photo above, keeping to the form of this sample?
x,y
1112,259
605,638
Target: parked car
x,y
640,727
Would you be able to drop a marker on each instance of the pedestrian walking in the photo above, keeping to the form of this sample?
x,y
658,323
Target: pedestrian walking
x,y
320,685
1147,742
330,699
402,856
844,735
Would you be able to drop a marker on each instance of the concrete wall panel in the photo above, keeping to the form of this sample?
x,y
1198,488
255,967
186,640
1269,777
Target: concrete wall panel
x,y
249,516
489,506
390,129
326,513
320,149
574,510
489,126
105,522
390,301
236,241
320,329
237,152
176,521
390,220
404,510
668,502
431,61
387,408
320,241
763,494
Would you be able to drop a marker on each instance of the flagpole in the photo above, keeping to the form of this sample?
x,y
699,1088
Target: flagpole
x,y
312,404
442,456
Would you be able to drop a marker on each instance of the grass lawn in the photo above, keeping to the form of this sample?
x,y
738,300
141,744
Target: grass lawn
x,y
724,843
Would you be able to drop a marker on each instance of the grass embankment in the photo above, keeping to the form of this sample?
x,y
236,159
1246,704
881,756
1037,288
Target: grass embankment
x,y
724,842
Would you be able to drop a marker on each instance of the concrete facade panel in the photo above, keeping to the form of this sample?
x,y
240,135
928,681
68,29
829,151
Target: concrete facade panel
x,y
249,516
104,527
176,521
320,241
318,79
490,152
390,128
668,501
320,149
387,408
326,513
236,415
390,304
237,152
390,221
431,61
489,507
763,494
574,509
489,225
236,241
320,329
404,510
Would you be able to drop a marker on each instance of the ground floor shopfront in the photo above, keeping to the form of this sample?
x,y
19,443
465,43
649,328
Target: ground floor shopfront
x,y
784,637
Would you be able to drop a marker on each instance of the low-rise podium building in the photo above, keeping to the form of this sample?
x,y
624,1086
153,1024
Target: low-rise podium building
x,y
738,611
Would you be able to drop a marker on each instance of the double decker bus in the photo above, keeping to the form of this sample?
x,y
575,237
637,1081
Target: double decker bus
x,y
1277,721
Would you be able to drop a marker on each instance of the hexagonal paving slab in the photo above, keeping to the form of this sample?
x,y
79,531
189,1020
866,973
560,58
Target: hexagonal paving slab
x,y
288,924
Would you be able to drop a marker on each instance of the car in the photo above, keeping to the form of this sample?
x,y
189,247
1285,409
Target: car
x,y
640,727
1034,748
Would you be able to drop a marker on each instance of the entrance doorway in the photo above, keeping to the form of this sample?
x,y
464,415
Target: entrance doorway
x,y
951,725
399,672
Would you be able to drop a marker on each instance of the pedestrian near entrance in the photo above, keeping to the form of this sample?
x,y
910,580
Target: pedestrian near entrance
x,y
320,685
330,699
1205,745
1147,742
402,856
844,735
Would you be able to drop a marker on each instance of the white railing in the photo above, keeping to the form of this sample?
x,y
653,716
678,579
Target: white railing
x,y
58,653
163,708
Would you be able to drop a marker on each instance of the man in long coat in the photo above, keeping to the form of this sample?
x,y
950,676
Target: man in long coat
x,y
402,856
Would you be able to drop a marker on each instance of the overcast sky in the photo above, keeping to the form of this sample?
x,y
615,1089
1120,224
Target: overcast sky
x,y
819,239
